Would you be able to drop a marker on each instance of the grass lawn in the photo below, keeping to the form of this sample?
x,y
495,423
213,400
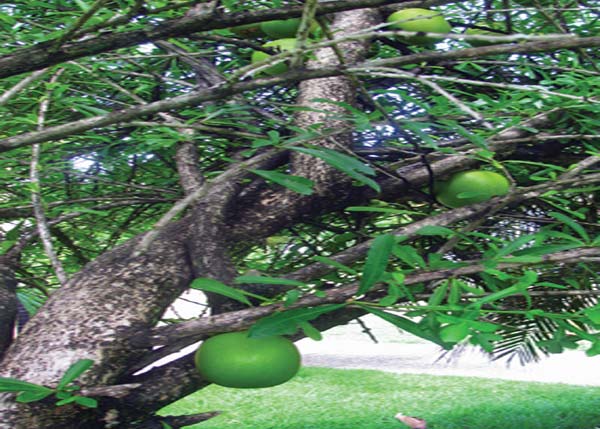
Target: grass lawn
x,y
320,398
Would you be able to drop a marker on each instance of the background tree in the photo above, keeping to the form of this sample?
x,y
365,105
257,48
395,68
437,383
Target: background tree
x,y
141,150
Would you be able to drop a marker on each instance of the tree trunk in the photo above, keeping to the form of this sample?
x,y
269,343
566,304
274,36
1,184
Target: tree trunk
x,y
118,296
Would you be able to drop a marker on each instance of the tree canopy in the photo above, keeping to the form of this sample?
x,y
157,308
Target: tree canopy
x,y
151,147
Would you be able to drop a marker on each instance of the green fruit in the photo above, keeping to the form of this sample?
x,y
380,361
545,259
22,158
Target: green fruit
x,y
281,45
415,19
236,360
480,32
470,187
281,29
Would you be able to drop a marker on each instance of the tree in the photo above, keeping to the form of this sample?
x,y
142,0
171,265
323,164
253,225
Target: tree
x,y
144,155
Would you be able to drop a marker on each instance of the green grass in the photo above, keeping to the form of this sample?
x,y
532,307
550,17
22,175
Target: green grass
x,y
320,398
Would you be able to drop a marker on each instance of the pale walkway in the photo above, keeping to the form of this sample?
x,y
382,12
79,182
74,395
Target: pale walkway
x,y
346,347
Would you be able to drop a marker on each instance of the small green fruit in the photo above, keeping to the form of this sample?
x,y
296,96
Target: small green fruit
x,y
236,360
470,187
415,19
281,45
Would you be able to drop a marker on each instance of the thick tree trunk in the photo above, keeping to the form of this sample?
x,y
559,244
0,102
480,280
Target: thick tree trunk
x,y
92,317
119,295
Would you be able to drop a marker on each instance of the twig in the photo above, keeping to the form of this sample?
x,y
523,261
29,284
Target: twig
x,y
388,72
4,98
462,106
580,166
77,25
229,175
368,331
36,193
308,15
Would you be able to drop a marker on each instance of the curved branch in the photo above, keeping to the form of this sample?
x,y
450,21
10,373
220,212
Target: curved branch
x,y
41,55
245,318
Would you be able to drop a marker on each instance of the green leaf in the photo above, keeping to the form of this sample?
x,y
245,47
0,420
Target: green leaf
x,y
66,401
410,255
486,341
515,245
86,402
594,350
347,164
310,331
454,295
454,333
291,296
214,286
287,322
501,294
405,324
571,224
438,294
26,397
377,260
74,371
298,184
268,281
14,385
593,314
394,293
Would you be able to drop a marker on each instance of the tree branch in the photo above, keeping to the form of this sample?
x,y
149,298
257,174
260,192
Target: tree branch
x,y
228,89
41,56
36,191
245,318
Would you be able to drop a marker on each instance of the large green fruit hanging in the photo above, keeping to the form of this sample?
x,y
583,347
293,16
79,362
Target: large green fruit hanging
x,y
470,187
236,360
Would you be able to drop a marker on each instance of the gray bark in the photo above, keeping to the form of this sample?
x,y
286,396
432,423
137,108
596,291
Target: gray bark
x,y
8,305
117,297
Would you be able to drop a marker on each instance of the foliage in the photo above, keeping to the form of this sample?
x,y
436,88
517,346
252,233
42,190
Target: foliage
x,y
135,98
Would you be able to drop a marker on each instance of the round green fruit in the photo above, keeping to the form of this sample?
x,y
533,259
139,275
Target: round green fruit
x,y
470,187
279,45
281,29
415,19
236,360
